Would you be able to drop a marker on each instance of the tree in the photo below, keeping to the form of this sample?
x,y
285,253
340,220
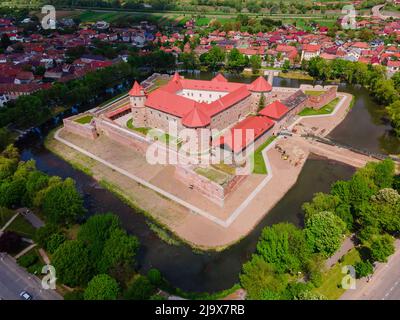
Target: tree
x,y
102,287
255,63
384,174
261,103
43,234
62,203
55,241
261,281
139,289
393,111
382,246
71,261
5,137
119,249
213,58
96,231
363,269
324,232
286,65
320,202
155,277
236,61
284,246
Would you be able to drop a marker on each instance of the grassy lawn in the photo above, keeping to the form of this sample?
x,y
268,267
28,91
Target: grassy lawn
x,y
212,174
84,120
225,168
295,75
144,131
327,109
332,279
313,92
22,227
259,164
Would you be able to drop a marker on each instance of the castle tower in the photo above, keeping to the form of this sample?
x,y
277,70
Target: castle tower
x,y
137,98
259,87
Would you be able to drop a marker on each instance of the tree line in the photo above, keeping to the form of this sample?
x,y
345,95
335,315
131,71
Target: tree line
x,y
385,91
289,261
98,260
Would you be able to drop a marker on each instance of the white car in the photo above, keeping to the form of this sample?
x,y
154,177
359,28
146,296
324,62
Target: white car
x,y
25,295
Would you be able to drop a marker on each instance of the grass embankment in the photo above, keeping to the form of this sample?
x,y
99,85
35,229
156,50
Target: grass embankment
x,y
314,92
332,279
212,174
19,225
295,75
141,130
327,109
259,164
85,119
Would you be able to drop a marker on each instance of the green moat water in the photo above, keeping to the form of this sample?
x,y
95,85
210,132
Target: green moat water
x,y
364,127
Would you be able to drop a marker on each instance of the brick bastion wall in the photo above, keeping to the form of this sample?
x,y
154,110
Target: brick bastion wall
x,y
317,102
210,189
87,130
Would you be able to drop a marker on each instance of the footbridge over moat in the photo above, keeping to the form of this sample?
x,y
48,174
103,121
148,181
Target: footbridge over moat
x,y
333,150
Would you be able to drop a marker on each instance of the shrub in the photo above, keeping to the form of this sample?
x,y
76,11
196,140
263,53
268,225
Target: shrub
x,y
363,269
140,289
28,260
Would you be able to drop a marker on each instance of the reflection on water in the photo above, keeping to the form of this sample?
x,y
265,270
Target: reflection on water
x,y
179,264
191,271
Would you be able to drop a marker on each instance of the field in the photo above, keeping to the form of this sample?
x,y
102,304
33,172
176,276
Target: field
x,y
89,16
259,164
327,109
331,286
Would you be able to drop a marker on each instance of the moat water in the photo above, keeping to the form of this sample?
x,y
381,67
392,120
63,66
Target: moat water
x,y
364,127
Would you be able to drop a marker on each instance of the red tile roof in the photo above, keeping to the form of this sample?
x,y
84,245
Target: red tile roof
x,y
196,118
275,110
137,90
246,132
311,47
260,85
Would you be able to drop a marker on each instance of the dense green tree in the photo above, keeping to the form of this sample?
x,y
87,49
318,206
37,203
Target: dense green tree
x,y
363,269
261,281
71,261
62,203
55,241
320,202
384,173
284,246
324,232
382,246
102,287
119,249
393,111
214,58
96,231
139,289
43,234
255,63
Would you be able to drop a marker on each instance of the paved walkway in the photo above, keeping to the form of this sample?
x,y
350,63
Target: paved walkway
x,y
9,223
346,246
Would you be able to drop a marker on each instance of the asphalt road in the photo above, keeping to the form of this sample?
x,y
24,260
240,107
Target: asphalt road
x,y
384,284
14,279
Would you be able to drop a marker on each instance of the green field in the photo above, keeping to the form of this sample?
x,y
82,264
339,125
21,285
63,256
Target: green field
x,y
259,164
84,120
331,285
327,109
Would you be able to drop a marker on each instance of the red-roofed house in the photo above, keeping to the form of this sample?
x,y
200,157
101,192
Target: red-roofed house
x,y
275,110
393,66
246,132
310,51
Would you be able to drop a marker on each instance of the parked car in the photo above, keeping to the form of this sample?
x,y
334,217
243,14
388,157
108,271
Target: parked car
x,y
25,295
